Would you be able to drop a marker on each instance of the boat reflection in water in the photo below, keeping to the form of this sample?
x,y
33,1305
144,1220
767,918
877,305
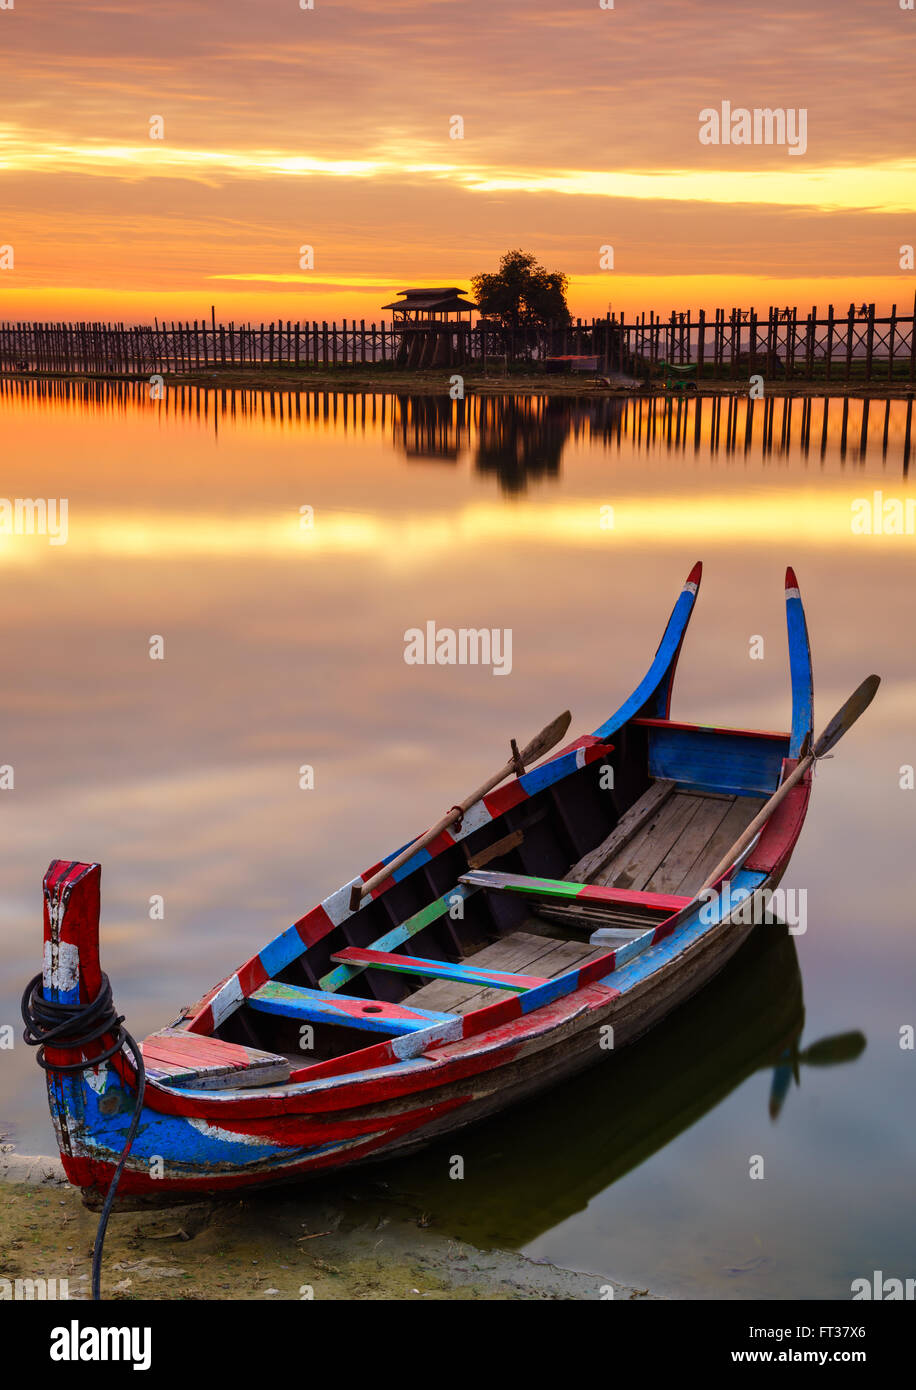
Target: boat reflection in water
x,y
537,1165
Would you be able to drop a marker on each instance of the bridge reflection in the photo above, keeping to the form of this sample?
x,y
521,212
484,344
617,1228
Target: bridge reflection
x,y
519,439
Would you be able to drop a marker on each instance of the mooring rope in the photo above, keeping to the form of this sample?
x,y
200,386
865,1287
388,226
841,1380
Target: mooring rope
x,y
75,1026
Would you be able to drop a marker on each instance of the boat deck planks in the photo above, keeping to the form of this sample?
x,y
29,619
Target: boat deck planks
x,y
590,865
519,951
678,844
693,840
637,860
737,818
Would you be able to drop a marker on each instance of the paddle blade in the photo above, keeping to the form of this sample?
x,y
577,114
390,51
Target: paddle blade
x,y
827,1052
844,719
546,739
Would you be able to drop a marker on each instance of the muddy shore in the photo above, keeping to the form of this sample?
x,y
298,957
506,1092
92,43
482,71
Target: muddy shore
x,y
355,1239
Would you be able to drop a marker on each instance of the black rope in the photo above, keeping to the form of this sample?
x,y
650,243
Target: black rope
x,y
76,1026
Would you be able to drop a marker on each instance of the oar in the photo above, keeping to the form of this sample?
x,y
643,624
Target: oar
x,y
539,745
840,724
826,1052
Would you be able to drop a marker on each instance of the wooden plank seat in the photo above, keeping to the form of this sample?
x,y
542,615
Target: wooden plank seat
x,y
437,969
179,1058
583,894
315,1006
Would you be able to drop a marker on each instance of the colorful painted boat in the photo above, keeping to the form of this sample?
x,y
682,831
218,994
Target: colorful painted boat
x,y
555,924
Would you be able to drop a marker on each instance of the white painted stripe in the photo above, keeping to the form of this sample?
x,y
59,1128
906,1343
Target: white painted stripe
x,y
580,757
792,593
226,1000
227,1136
96,1078
410,1044
690,587
337,906
60,967
474,817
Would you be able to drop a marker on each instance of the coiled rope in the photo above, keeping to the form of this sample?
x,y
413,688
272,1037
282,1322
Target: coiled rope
x,y
75,1026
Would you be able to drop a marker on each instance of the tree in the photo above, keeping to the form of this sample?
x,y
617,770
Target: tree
x,y
522,294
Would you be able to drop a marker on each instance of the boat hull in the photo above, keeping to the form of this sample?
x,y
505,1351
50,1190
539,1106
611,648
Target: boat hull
x,y
290,1146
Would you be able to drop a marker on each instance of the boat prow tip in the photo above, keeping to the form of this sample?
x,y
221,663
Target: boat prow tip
x,y
696,574
791,581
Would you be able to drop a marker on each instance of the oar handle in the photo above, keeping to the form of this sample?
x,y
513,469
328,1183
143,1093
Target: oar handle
x,y
539,745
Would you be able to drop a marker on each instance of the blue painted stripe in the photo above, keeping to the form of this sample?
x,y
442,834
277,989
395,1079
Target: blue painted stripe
x,y
314,1006
802,677
277,954
715,761
649,686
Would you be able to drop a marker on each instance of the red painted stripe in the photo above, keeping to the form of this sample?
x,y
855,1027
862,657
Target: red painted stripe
x,y
585,741
366,1059
491,1016
442,841
665,902
504,798
201,1050
781,831
314,925
597,751
252,975
202,1022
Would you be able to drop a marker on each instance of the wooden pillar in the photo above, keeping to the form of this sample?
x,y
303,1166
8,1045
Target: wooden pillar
x,y
869,341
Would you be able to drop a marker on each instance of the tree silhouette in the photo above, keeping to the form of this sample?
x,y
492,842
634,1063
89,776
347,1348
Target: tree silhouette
x,y
522,294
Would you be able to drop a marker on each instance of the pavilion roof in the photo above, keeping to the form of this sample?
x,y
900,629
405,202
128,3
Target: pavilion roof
x,y
442,300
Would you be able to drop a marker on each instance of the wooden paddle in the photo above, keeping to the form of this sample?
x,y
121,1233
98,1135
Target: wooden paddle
x,y
840,724
539,745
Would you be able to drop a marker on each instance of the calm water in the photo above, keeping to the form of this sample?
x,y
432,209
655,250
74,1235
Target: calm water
x,y
284,646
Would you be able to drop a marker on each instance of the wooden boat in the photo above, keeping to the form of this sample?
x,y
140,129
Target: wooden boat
x,y
554,924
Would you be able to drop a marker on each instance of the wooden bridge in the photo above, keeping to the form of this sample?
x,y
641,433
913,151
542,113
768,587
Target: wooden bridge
x,y
856,345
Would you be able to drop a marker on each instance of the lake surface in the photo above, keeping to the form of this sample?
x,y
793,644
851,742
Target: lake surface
x,y
573,523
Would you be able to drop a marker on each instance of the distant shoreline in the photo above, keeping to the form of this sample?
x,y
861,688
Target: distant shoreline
x,y
369,380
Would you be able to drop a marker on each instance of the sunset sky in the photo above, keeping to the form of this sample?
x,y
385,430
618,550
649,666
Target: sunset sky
x,y
330,127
